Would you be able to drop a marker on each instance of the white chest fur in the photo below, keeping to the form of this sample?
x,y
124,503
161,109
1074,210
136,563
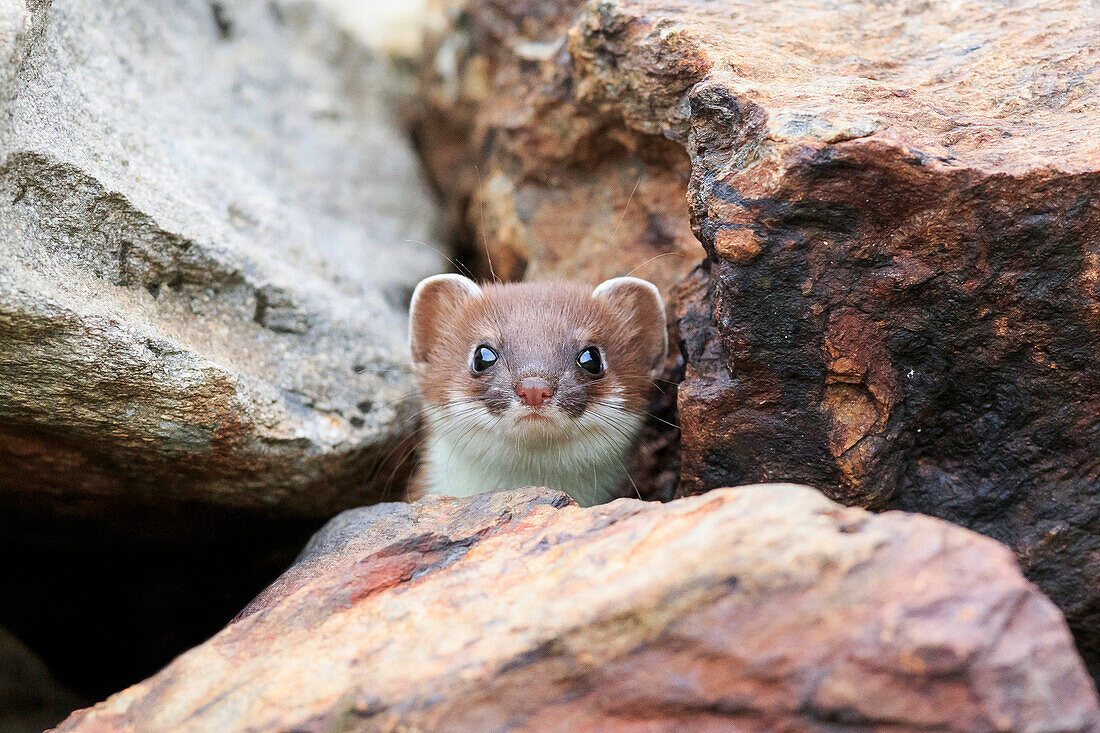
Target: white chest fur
x,y
589,465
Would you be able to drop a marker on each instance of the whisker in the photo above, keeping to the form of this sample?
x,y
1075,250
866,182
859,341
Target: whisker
x,y
484,237
406,447
612,451
644,412
651,259
625,208
457,265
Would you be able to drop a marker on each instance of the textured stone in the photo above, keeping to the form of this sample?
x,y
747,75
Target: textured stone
x,y
755,609
900,297
205,215
540,188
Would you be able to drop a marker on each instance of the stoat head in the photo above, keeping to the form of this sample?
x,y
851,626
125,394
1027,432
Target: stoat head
x,y
536,362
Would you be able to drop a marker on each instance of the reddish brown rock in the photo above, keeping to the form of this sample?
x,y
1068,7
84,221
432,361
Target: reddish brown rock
x,y
900,300
539,186
755,609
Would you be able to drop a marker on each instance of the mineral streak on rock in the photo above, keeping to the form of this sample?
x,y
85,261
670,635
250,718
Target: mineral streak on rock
x,y
754,609
900,301
205,215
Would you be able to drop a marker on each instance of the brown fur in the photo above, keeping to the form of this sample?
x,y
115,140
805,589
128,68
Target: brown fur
x,y
538,329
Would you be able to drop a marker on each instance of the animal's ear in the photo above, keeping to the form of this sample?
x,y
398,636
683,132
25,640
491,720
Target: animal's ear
x,y
638,303
436,302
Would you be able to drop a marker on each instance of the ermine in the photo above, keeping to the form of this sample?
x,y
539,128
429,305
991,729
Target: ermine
x,y
533,384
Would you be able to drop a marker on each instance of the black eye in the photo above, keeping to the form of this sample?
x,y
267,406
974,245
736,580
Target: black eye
x,y
590,361
484,357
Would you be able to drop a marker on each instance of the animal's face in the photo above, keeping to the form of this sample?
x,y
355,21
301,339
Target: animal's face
x,y
550,362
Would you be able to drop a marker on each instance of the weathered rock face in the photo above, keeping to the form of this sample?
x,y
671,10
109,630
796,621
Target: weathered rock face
x,y
900,301
756,609
205,211
543,189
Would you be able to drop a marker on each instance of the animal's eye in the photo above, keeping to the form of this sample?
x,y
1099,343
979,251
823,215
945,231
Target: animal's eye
x,y
484,357
590,361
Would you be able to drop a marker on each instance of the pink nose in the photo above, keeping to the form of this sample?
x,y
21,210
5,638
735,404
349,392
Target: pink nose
x,y
534,391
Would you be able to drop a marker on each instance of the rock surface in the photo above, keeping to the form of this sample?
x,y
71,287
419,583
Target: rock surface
x,y
755,609
540,187
900,301
205,211
394,28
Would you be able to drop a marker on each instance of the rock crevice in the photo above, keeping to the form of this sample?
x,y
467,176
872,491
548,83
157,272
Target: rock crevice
x,y
899,297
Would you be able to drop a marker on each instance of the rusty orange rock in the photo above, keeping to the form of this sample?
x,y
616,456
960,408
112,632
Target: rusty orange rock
x,y
754,609
541,188
899,293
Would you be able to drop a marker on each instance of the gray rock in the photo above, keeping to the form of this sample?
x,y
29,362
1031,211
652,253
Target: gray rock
x,y
206,215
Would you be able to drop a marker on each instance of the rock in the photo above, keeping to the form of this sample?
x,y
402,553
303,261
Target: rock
x,y
542,189
395,28
900,300
207,217
760,608
30,698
